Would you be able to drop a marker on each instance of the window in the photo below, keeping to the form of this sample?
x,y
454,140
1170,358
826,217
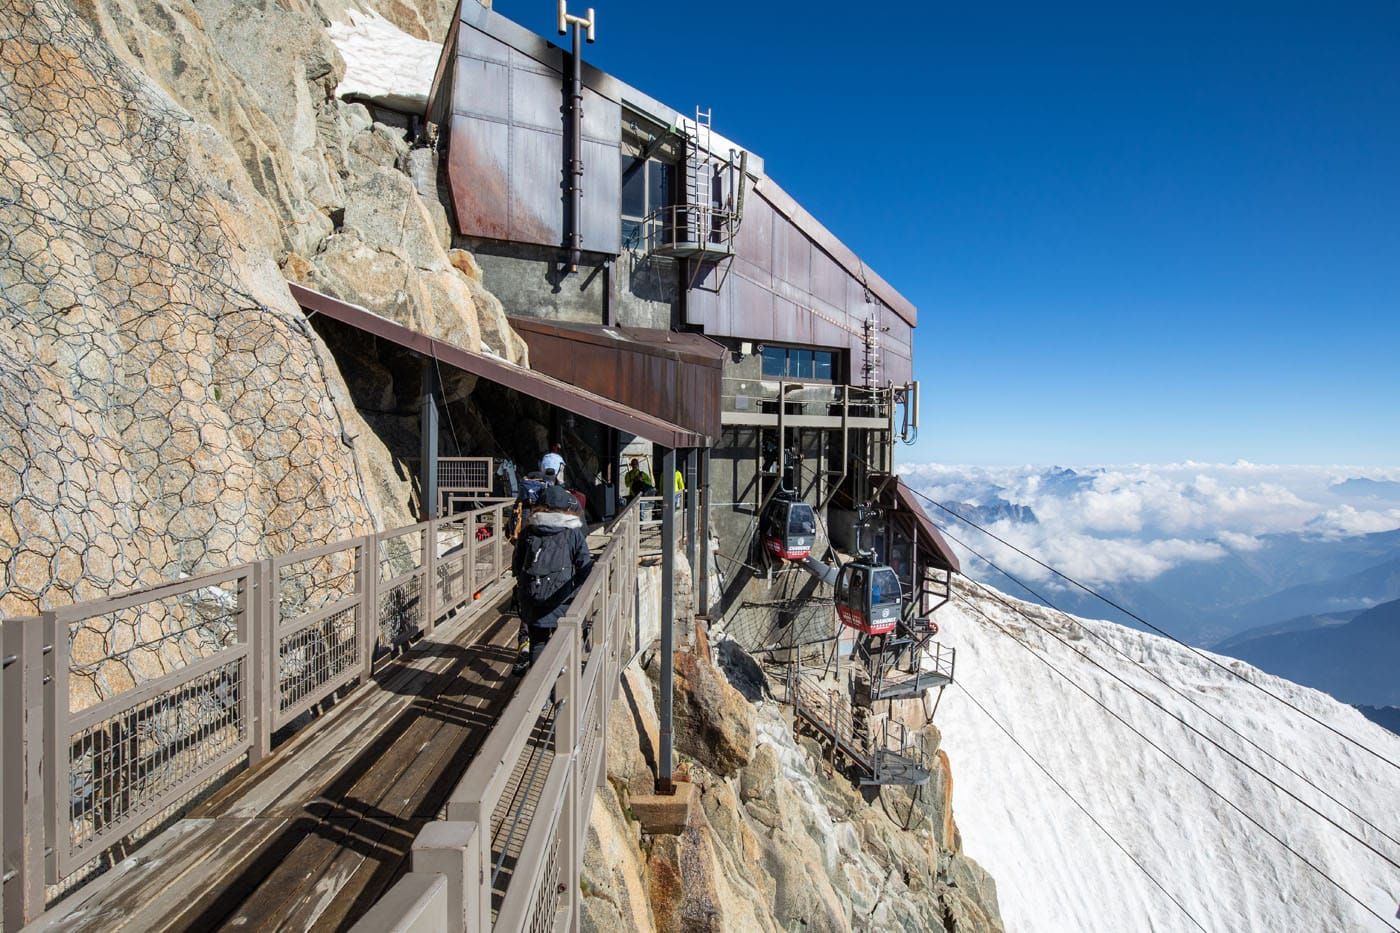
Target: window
x,y
799,364
646,187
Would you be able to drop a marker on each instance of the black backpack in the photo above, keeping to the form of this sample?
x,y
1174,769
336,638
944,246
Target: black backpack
x,y
549,565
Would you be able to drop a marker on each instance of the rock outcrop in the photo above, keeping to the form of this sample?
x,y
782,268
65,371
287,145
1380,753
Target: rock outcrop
x,y
778,842
165,409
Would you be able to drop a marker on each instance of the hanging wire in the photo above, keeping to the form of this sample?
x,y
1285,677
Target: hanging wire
x,y
1160,631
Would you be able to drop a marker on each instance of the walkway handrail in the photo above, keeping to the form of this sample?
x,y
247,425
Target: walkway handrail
x,y
559,713
119,710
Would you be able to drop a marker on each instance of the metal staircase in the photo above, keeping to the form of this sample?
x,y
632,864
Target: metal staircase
x,y
877,747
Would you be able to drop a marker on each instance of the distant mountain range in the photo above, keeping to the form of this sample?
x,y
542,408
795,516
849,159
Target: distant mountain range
x,y
1360,487
994,510
1356,660
1287,577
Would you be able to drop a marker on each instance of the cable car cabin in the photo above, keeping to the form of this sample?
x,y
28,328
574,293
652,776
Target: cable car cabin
x,y
868,597
790,529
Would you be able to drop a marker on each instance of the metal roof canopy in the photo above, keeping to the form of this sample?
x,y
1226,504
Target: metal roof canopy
x,y
937,545
669,375
536,385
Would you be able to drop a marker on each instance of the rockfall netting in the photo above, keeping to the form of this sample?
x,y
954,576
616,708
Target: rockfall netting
x,y
164,407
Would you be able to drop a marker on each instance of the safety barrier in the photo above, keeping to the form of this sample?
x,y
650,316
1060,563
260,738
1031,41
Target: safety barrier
x,y
508,854
799,399
118,711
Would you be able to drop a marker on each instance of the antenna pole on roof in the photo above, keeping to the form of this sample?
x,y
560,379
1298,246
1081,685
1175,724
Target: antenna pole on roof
x,y
573,170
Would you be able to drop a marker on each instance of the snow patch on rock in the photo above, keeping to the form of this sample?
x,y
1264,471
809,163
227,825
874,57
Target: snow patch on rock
x,y
383,63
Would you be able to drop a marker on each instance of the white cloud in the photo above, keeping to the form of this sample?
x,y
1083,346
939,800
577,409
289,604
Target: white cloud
x,y
1135,522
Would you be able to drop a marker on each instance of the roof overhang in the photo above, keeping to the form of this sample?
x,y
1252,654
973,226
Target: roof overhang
x,y
930,540
667,374
502,372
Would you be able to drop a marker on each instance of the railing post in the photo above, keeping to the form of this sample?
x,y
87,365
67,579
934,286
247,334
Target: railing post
x,y
369,603
452,849
471,527
497,548
430,593
261,615
566,742
23,754
703,572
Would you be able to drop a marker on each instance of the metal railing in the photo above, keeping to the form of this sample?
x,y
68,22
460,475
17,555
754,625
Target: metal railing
x,y
803,399
119,710
508,854
690,230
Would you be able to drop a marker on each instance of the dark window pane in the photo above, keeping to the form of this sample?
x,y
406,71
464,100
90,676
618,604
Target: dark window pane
x,y
634,188
884,587
658,185
632,234
774,361
821,364
800,364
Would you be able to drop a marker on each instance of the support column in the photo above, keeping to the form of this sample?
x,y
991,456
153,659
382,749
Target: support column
x,y
692,499
704,571
668,616
428,423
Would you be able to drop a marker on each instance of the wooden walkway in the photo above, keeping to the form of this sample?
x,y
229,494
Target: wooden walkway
x,y
311,838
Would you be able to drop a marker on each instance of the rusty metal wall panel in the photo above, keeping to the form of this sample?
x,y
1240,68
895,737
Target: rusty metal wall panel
x,y
478,176
506,157
829,281
536,195
601,225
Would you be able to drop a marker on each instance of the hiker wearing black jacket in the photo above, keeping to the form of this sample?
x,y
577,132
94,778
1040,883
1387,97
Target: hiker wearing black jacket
x,y
551,561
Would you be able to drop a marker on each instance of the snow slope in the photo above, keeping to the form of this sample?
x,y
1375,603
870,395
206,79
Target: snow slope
x,y
1055,871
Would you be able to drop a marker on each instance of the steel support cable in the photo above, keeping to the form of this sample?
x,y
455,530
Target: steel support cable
x,y
1083,809
1160,631
1174,760
1187,697
447,408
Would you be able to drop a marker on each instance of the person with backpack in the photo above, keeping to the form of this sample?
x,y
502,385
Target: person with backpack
x,y
551,561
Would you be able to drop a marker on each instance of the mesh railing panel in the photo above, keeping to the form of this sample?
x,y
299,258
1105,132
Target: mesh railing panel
x,y
126,767
468,474
313,657
400,612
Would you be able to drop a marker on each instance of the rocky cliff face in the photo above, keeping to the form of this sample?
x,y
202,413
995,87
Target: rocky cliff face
x,y
778,842
164,165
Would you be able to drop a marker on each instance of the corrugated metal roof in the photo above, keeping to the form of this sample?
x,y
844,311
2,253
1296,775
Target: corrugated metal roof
x,y
535,384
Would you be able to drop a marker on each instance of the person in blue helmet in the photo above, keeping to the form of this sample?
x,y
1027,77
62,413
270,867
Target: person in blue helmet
x,y
551,561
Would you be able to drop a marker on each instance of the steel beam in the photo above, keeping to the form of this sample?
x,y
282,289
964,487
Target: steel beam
x,y
428,422
668,616
691,508
704,571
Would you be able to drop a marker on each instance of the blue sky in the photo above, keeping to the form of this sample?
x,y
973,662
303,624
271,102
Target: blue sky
x,y
1133,234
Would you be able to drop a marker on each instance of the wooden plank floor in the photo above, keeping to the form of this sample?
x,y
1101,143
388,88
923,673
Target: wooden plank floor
x,y
312,837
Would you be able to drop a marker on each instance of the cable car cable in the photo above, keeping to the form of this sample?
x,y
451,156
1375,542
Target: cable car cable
x,y
1160,631
1158,677
1174,760
1083,809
